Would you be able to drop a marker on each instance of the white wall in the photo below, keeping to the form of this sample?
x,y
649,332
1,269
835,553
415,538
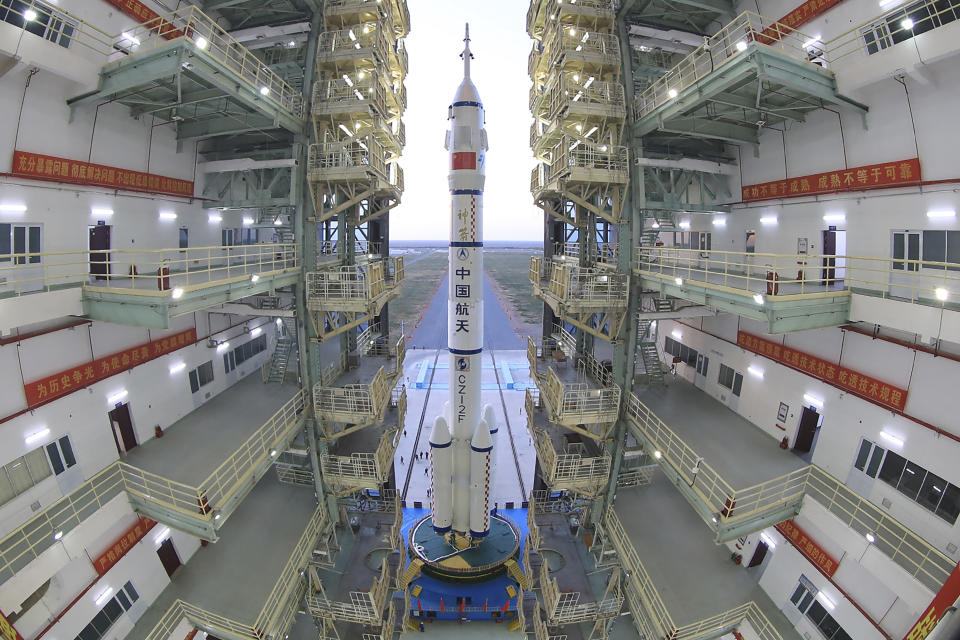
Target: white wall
x,y
781,578
846,418
155,396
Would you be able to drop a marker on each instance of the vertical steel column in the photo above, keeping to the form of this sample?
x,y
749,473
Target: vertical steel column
x,y
553,237
378,231
628,237
305,234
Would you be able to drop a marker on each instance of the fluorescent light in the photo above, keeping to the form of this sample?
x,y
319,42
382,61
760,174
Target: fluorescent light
x,y
129,36
887,3
58,535
201,43
586,85
161,535
827,602
767,540
672,93
768,220
676,334
870,538
292,44
813,400
256,331
29,15
742,45
906,23
685,224
657,455
655,225
168,215
247,220
176,293
277,221
591,132
178,367
13,208
101,212
942,213
758,298
254,277
279,321
834,217
756,371
223,346
104,596
214,218
812,41
35,437
273,453
679,281
892,439
264,91
117,397
719,222
941,293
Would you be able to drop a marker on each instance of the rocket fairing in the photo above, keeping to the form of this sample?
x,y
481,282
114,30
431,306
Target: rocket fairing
x,y
471,428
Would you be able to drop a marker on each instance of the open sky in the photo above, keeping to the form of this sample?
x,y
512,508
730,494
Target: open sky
x,y
500,46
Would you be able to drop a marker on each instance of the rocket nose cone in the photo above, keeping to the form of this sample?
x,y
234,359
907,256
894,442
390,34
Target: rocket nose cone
x,y
467,92
440,435
481,437
489,416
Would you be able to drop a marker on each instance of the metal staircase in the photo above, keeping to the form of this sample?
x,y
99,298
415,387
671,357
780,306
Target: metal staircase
x,y
276,368
647,348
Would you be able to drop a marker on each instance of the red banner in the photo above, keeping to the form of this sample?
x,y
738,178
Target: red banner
x,y
124,543
801,15
7,631
948,594
808,547
144,14
847,379
60,384
35,165
465,160
875,176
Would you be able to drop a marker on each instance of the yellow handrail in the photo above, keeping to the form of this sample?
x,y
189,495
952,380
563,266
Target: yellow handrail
x,y
152,272
919,281
208,39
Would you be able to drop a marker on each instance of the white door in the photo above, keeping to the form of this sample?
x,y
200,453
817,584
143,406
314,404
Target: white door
x,y
700,379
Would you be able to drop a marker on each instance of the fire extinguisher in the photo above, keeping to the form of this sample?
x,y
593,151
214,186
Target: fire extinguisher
x,y
163,277
773,282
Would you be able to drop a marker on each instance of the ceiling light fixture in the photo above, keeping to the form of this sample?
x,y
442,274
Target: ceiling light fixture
x,y
892,439
36,437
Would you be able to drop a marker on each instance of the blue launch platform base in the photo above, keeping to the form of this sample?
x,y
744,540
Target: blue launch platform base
x,y
449,590
476,563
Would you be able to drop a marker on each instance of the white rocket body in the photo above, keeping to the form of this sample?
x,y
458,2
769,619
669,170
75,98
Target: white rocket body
x,y
468,511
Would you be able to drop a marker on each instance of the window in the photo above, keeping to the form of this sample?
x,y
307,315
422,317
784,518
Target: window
x,y
49,24
249,349
229,362
201,376
869,457
805,599
23,473
890,30
671,346
61,455
110,613
725,379
927,245
184,237
22,239
698,240
923,487
227,237
737,384
250,236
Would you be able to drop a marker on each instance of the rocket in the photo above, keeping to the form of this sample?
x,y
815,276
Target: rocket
x,y
462,440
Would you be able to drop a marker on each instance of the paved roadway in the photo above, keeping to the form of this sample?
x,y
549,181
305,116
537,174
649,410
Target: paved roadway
x,y
498,330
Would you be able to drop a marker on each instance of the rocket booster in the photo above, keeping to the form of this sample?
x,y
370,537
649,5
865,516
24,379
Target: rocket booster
x,y
470,427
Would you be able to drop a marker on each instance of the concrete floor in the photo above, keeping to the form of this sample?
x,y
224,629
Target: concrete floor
x,y
234,576
196,444
695,577
726,440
